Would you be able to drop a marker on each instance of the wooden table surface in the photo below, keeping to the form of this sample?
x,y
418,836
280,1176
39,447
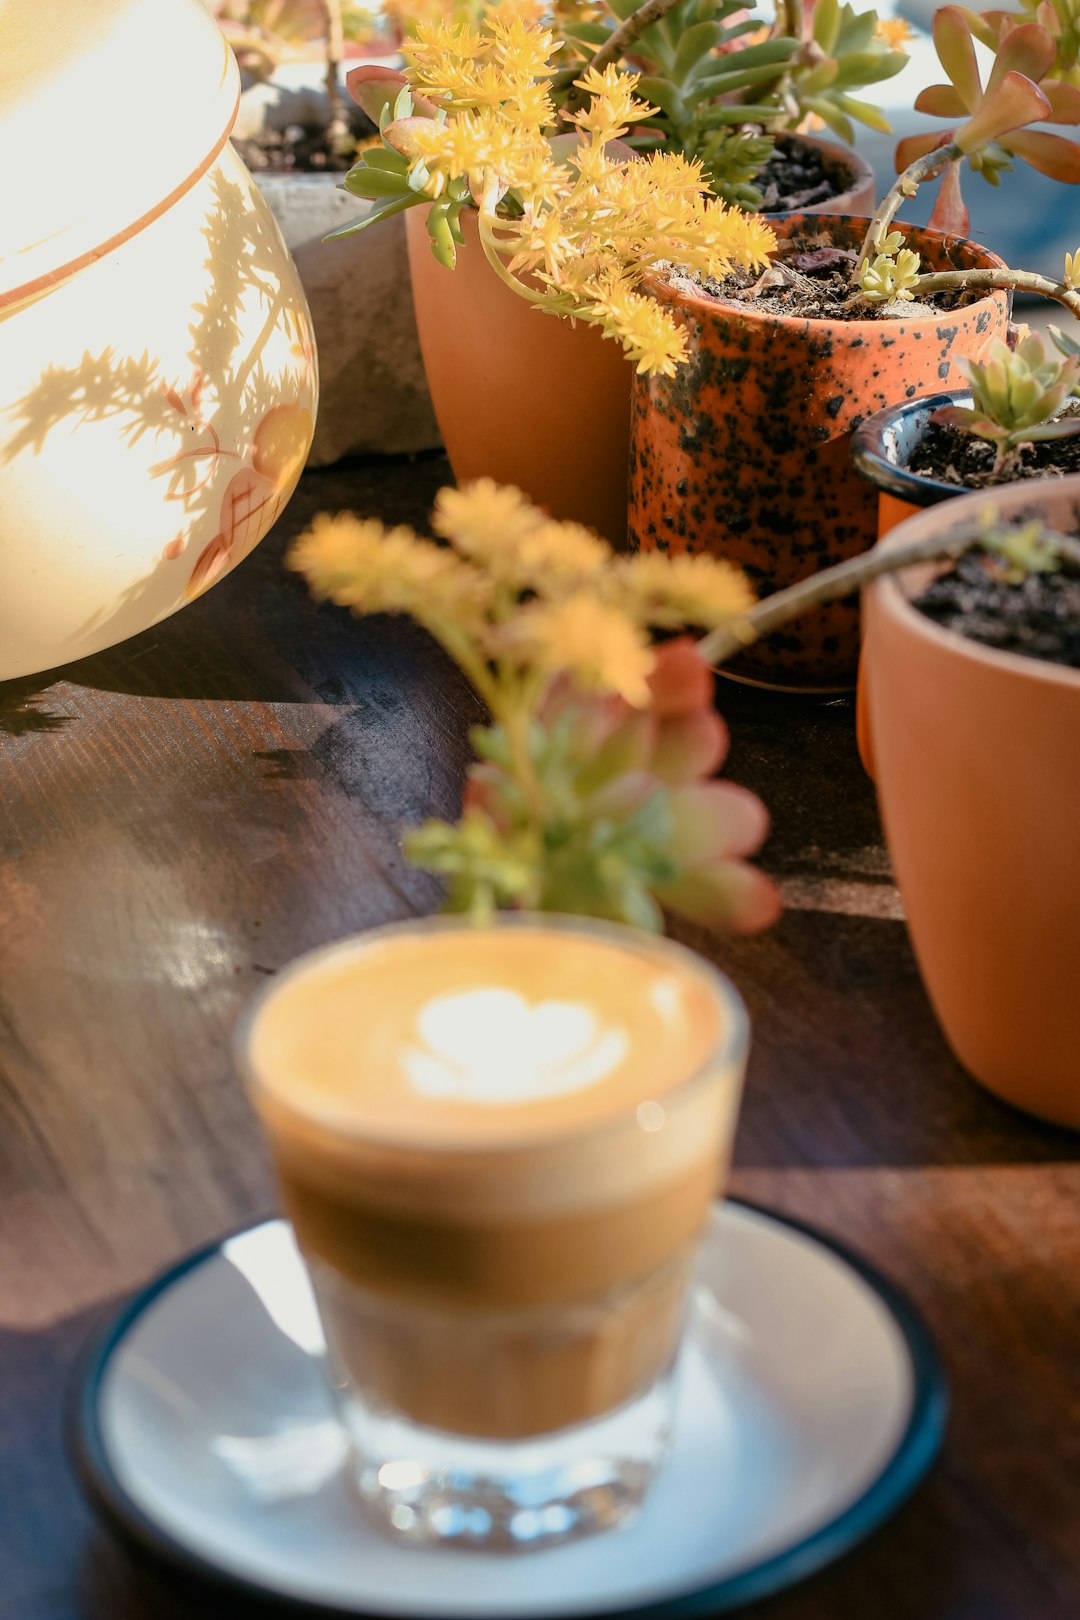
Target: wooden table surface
x,y
180,816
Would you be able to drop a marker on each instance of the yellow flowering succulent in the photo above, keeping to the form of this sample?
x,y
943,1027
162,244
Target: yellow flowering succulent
x,y
591,791
673,591
893,32
533,595
360,564
570,221
602,647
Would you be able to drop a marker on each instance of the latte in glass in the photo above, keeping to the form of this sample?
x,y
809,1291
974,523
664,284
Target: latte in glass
x,y
498,1147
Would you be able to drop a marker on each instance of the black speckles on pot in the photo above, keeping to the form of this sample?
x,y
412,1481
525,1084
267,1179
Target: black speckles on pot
x,y
819,345
734,368
748,447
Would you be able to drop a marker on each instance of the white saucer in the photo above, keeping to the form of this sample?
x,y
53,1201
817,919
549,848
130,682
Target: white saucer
x,y
811,1405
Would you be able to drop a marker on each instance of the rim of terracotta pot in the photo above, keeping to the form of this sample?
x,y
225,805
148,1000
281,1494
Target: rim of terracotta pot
x,y
892,592
980,258
883,445
860,171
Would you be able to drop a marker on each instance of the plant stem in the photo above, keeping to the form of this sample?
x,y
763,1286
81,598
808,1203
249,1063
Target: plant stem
x,y
928,167
789,19
617,45
489,241
832,584
337,128
843,579
988,280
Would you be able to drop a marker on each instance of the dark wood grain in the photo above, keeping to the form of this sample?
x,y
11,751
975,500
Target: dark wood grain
x,y
183,814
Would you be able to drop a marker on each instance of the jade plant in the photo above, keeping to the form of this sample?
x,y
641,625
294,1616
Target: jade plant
x,y
571,222
1060,18
995,129
591,791
1016,395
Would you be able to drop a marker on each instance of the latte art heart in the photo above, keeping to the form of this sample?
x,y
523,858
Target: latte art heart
x,y
492,1046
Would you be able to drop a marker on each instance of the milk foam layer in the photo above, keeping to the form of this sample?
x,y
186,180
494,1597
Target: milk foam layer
x,y
493,1070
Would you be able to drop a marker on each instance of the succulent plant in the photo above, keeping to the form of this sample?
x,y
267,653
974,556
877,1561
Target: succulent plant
x,y
891,275
592,791
725,85
564,219
1019,91
1060,18
1016,393
842,50
995,129
1069,347
635,824
1012,549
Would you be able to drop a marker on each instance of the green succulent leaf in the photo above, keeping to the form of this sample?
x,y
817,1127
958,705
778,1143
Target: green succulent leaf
x,y
1025,548
695,43
831,117
826,26
591,34
868,67
864,112
663,94
387,158
726,117
383,210
440,234
372,182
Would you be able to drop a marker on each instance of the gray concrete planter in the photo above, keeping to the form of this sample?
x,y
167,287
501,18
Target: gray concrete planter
x,y
373,394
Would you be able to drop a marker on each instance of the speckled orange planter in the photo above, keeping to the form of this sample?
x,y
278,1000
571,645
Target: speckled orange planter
x,y
745,452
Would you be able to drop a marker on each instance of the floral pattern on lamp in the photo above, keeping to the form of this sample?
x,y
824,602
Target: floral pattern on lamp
x,y
156,410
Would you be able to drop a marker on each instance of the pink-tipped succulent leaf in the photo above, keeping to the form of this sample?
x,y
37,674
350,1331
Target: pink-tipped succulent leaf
x,y
1018,93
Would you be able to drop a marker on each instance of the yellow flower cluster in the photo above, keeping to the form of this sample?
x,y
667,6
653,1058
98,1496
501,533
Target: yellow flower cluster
x,y
457,65
669,592
515,595
571,221
597,644
407,15
360,564
893,32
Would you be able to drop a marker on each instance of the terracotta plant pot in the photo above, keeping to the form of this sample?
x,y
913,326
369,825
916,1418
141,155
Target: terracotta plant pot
x,y
745,452
854,178
157,370
977,759
520,396
882,448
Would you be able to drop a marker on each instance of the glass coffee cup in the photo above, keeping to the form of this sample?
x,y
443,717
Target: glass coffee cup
x,y
498,1147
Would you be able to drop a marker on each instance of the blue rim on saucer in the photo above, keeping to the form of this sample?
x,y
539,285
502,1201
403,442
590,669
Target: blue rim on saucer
x,y
912,1455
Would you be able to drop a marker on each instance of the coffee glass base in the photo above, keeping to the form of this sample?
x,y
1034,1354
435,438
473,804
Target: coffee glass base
x,y
425,1486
